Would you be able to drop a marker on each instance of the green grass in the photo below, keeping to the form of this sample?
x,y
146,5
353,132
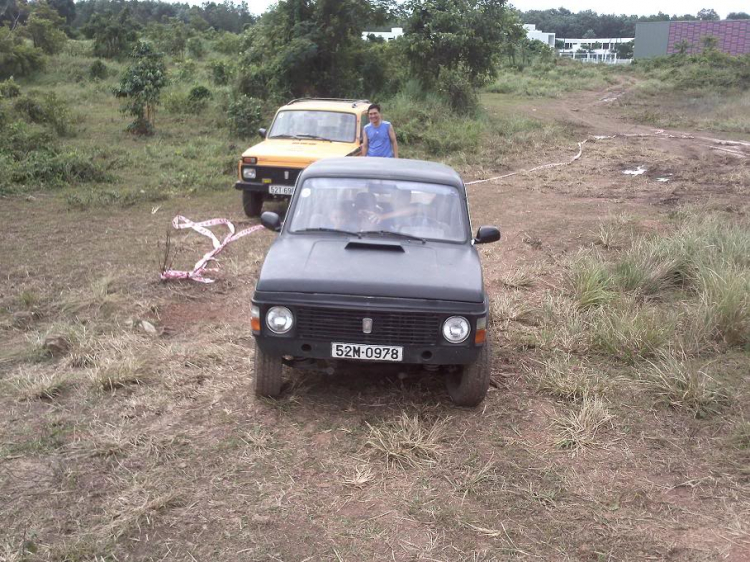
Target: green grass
x,y
554,80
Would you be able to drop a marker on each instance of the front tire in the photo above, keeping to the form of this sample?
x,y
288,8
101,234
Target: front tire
x,y
252,202
267,374
468,386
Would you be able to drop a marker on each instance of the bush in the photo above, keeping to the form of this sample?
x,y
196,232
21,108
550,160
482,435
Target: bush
x,y
98,70
185,71
457,90
244,116
9,88
50,110
228,43
195,48
221,72
198,98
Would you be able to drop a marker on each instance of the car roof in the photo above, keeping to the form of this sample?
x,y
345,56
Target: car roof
x,y
384,168
349,106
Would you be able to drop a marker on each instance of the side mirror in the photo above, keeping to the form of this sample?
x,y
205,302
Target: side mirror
x,y
485,234
262,133
271,221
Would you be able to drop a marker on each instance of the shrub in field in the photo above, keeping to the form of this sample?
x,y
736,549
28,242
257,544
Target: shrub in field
x,y
49,110
228,43
244,116
185,71
9,88
198,98
221,72
456,88
98,70
196,48
141,86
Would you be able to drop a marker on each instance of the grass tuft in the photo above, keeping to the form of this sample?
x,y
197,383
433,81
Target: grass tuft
x,y
559,377
581,427
408,441
591,282
679,384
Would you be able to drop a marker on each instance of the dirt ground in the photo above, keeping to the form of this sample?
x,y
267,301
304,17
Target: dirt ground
x,y
132,445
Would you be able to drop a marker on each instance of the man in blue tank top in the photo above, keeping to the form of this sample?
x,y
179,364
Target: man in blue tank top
x,y
379,138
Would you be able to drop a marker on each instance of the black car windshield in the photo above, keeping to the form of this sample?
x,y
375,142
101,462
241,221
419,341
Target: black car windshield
x,y
324,125
377,208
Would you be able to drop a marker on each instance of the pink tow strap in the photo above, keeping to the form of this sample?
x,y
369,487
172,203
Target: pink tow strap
x,y
201,266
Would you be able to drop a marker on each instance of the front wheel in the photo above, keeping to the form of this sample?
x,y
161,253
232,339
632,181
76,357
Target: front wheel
x,y
468,385
267,374
252,202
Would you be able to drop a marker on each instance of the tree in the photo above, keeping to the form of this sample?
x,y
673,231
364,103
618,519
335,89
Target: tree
x,y
114,35
590,34
44,28
457,34
305,47
624,50
142,85
17,57
65,8
738,16
708,15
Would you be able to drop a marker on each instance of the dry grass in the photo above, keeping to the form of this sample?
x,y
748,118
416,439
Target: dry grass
x,y
560,376
37,384
408,441
678,383
583,426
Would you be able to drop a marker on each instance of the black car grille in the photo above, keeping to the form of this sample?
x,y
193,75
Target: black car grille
x,y
276,175
388,328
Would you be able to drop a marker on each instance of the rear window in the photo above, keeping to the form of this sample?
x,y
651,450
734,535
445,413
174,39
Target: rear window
x,y
322,125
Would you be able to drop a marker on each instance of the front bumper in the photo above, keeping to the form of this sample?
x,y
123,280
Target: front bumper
x,y
305,343
258,187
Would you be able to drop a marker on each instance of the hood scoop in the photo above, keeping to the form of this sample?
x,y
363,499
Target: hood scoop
x,y
375,245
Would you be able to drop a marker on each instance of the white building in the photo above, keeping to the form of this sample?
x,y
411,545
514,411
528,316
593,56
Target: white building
x,y
532,33
387,35
594,46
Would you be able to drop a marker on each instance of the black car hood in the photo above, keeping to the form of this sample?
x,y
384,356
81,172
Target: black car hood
x,y
343,265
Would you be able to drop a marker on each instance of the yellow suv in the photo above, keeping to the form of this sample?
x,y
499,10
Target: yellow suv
x,y
302,132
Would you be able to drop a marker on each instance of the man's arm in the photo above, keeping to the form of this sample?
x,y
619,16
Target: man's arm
x,y
394,142
364,143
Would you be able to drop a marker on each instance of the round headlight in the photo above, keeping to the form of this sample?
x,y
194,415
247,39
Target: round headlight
x,y
279,319
248,173
456,329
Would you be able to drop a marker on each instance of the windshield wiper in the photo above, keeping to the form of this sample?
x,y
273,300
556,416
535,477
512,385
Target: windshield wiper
x,y
324,229
391,233
314,137
282,137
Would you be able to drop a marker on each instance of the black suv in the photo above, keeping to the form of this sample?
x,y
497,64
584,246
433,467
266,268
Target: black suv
x,y
375,262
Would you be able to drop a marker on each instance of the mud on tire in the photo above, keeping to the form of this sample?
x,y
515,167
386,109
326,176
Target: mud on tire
x,y
468,385
267,379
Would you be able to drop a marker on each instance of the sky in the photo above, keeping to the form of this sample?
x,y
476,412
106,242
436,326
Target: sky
x,y
633,7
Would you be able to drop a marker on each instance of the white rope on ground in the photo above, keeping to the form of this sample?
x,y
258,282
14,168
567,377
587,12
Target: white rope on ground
x,y
201,266
659,133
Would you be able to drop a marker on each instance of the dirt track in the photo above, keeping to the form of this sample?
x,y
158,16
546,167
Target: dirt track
x,y
184,464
